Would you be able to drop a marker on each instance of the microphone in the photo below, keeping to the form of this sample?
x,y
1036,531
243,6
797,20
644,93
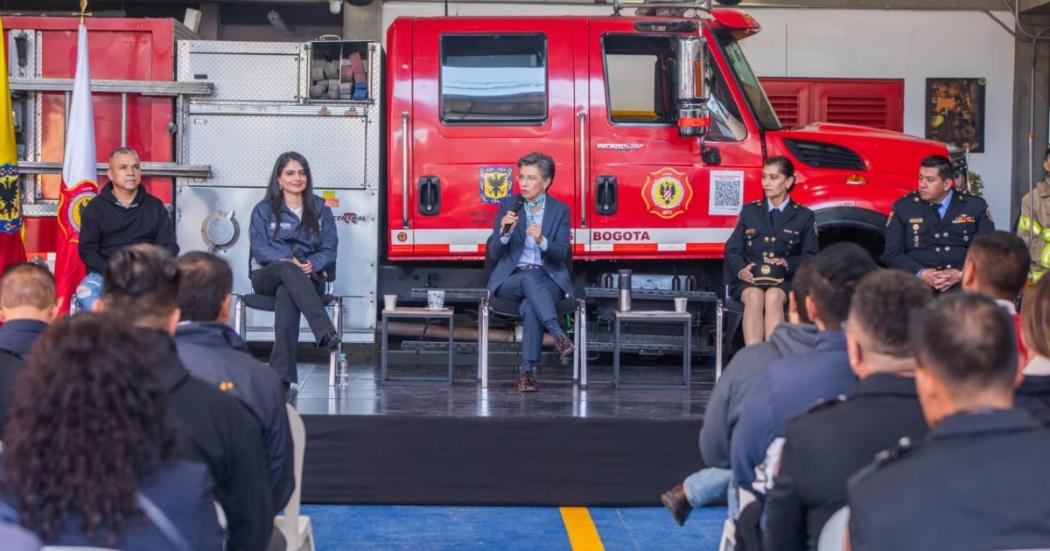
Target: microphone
x,y
298,255
519,204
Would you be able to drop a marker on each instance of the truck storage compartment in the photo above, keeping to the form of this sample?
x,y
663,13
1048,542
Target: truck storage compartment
x,y
338,70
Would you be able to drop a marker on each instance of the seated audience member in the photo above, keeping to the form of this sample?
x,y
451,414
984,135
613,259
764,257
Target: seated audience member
x,y
709,484
27,306
826,446
978,479
1033,395
123,213
141,287
90,456
997,265
214,352
793,384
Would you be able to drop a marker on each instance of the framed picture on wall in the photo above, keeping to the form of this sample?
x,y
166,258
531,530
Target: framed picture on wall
x,y
955,112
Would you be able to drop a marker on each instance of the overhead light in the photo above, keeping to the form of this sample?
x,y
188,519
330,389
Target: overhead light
x,y
335,6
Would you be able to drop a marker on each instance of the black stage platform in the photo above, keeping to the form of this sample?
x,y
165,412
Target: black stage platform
x,y
429,443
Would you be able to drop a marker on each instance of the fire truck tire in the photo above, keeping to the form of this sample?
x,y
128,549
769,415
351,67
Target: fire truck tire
x,y
861,226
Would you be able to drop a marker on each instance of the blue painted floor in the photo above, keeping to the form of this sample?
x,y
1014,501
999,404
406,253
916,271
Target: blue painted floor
x,y
367,527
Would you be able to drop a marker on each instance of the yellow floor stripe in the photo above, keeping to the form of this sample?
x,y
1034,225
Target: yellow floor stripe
x,y
583,536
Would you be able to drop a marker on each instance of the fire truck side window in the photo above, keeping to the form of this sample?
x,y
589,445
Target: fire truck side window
x,y
640,78
726,124
494,78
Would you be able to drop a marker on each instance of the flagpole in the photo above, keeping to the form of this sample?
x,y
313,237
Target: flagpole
x,y
83,10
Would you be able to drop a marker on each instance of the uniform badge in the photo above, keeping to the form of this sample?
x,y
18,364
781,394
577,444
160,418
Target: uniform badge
x,y
667,193
963,219
765,269
915,227
494,183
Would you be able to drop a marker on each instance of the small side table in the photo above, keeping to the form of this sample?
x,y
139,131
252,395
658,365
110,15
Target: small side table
x,y
653,316
415,313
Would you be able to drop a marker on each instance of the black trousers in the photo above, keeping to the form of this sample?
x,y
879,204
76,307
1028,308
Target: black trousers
x,y
296,294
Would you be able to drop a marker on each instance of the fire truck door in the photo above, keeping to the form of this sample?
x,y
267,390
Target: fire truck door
x,y
650,194
483,98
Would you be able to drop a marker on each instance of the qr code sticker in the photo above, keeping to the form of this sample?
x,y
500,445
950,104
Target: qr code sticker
x,y
727,192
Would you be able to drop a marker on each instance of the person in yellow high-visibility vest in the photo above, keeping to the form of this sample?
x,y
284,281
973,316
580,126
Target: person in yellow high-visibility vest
x,y
1034,224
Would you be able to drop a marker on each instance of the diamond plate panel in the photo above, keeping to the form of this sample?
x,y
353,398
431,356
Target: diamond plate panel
x,y
241,149
244,71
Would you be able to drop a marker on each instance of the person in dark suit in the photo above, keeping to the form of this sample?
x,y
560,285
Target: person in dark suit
x,y
836,438
772,236
978,480
929,230
531,250
27,306
93,389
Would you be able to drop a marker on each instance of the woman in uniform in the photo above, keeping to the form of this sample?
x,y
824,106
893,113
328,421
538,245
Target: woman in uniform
x,y
772,236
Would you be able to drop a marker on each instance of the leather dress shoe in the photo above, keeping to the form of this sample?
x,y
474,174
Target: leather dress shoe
x,y
677,504
564,346
527,382
331,342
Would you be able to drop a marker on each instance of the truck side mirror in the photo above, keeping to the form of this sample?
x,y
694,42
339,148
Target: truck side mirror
x,y
692,87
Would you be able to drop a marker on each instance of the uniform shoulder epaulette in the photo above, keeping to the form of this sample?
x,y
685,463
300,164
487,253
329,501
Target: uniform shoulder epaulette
x,y
756,203
885,457
904,445
796,205
823,404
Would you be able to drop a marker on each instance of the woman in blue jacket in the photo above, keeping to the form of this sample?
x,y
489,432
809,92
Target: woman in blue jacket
x,y
293,241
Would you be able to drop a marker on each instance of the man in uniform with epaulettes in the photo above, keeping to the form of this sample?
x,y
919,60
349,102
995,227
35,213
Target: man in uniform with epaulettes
x,y
929,230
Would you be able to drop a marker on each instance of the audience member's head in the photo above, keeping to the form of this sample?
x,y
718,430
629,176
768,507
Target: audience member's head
x,y
877,330
142,286
996,265
966,353
206,282
88,422
27,291
799,291
836,272
1035,319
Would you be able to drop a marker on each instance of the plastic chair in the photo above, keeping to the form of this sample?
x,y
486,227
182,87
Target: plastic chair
x,y
268,303
833,534
296,528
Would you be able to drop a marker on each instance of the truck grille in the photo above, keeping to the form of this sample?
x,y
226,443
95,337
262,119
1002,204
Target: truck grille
x,y
825,155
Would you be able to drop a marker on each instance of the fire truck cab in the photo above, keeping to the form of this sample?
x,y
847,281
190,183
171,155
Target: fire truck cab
x,y
658,127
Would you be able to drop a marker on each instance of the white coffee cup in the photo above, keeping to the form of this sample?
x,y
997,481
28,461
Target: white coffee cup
x,y
435,299
680,304
389,302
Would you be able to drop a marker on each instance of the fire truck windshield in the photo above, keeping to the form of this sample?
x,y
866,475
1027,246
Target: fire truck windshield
x,y
745,77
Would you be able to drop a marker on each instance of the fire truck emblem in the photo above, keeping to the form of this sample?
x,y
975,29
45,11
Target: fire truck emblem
x,y
494,183
76,208
667,193
10,200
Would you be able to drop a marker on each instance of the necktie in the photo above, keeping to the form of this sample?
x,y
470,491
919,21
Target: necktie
x,y
774,217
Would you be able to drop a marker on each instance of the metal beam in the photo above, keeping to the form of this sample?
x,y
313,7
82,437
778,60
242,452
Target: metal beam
x,y
143,87
148,169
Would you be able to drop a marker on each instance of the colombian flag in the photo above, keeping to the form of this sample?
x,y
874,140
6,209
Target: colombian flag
x,y
79,175
11,249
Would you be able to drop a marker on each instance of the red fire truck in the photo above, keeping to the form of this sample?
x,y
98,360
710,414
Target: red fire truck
x,y
605,96
658,126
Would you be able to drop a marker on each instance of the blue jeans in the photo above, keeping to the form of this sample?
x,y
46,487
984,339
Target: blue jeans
x,y
707,486
89,290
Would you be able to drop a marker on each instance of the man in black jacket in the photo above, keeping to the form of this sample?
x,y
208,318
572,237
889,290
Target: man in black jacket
x,y
122,214
214,352
27,306
141,287
978,479
826,446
